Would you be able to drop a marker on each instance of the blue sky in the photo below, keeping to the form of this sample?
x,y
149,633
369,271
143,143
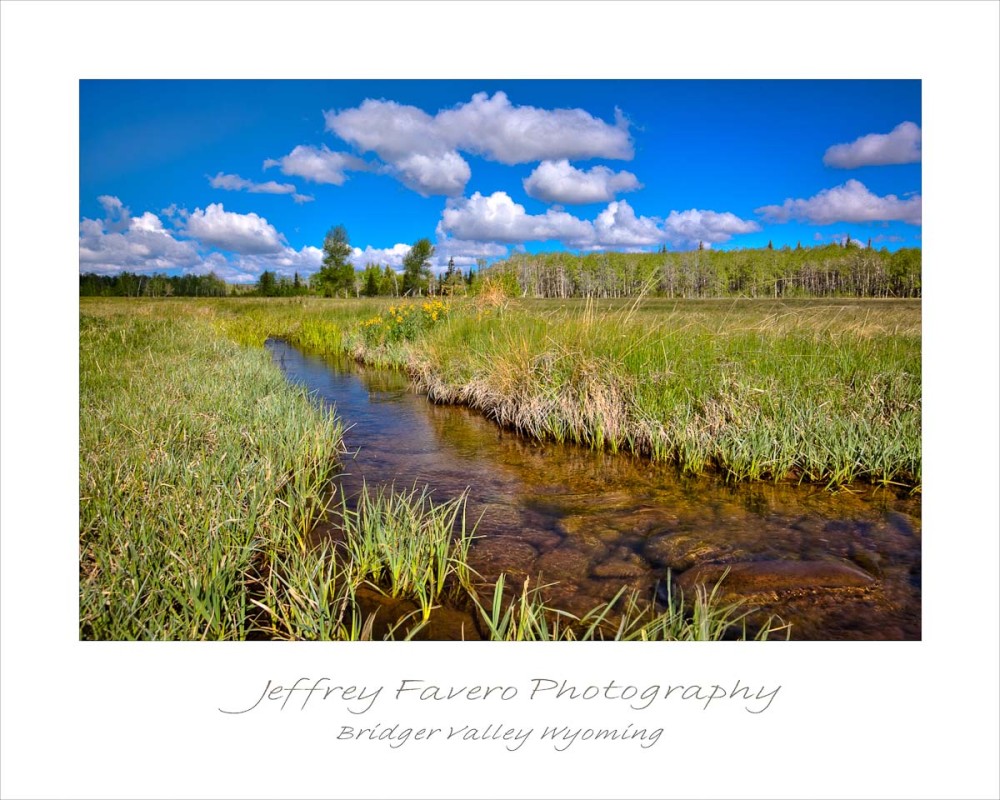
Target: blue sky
x,y
237,177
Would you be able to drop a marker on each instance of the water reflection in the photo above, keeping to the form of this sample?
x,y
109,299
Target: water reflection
x,y
591,522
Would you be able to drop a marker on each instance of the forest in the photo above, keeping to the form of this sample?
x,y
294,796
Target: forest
x,y
833,270
828,271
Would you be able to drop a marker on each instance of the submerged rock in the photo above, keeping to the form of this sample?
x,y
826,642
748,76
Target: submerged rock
x,y
624,564
681,551
563,564
505,554
449,625
757,577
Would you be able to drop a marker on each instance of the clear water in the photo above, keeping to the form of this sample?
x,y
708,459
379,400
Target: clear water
x,y
590,522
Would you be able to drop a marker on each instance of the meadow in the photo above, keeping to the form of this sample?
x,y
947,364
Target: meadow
x,y
203,471
815,390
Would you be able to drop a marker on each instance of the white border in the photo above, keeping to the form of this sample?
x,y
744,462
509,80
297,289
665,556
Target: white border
x,y
853,720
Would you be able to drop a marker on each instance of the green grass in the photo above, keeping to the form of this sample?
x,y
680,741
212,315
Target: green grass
x,y
756,390
816,390
526,617
202,471
197,461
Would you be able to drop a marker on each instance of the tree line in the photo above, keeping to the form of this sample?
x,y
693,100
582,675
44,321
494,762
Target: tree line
x,y
823,271
129,284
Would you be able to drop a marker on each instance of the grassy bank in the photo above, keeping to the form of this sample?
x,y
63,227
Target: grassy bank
x,y
818,391
825,391
202,472
196,461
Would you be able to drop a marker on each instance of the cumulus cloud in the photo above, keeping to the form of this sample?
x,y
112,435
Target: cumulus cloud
x,y
464,253
116,216
247,234
500,131
393,256
302,198
445,174
560,182
900,146
424,151
318,164
221,267
235,183
498,219
285,262
694,226
141,246
145,246
618,226
850,202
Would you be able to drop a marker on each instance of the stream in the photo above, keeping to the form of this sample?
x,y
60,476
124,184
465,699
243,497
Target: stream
x,y
835,565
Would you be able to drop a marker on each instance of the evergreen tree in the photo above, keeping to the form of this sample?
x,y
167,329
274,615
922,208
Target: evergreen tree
x,y
266,285
371,280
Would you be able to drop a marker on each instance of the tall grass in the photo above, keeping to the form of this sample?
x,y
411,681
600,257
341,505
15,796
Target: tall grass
x,y
526,617
202,470
756,391
406,543
816,390
196,459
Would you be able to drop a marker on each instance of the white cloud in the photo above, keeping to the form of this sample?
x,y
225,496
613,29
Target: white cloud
x,y
145,246
423,151
318,164
286,262
850,202
393,256
302,198
899,146
142,246
560,182
235,183
116,215
445,174
694,226
495,129
247,234
222,268
147,222
464,253
389,129
498,219
174,214
617,226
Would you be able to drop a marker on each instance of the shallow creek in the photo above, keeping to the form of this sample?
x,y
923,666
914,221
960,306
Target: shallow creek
x,y
836,565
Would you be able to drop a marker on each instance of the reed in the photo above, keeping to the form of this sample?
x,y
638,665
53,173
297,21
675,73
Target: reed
x,y
197,459
202,471
625,617
407,545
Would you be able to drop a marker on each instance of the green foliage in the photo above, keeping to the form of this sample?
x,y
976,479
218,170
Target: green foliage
x,y
336,277
416,267
267,286
827,271
402,323
128,284
198,462
371,280
526,617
